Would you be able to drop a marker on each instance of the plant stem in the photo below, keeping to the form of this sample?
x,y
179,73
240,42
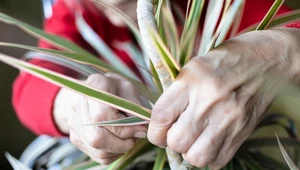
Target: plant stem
x,y
145,14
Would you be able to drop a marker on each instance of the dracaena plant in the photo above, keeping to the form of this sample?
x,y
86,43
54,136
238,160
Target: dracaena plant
x,y
168,51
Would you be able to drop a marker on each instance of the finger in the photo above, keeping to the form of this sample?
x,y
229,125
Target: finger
x,y
99,154
186,130
126,89
165,112
226,153
206,147
105,161
102,139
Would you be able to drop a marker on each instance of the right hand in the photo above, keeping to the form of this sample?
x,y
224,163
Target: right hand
x,y
103,144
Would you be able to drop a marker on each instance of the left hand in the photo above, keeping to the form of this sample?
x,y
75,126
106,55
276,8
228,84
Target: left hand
x,y
217,100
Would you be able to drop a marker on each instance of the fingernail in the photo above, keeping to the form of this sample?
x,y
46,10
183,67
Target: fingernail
x,y
140,134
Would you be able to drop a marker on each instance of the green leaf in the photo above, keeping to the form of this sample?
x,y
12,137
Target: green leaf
x,y
287,158
139,59
190,27
227,21
270,15
164,53
129,121
224,26
160,159
50,38
84,165
282,19
101,47
149,94
171,32
126,19
139,149
267,142
268,162
212,17
67,82
250,162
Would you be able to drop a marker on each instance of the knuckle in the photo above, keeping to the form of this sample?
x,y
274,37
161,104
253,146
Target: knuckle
x,y
217,89
177,143
96,141
196,160
119,132
99,117
160,116
99,81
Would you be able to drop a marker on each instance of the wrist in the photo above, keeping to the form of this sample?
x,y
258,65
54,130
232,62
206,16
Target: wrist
x,y
62,108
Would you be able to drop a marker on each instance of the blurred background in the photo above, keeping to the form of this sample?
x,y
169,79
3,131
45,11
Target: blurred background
x,y
13,136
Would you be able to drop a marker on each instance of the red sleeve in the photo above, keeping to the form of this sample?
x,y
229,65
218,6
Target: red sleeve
x,y
33,98
294,25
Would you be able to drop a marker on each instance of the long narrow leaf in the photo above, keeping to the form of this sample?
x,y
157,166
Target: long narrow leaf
x,y
50,38
211,20
138,58
140,148
280,20
227,21
165,55
190,27
286,156
160,159
149,94
130,121
224,26
171,32
127,20
80,87
270,15
269,142
101,47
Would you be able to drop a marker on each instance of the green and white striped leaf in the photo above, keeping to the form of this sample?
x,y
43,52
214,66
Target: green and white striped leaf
x,y
167,58
142,147
148,93
190,31
171,32
50,38
101,47
287,158
280,20
126,19
224,26
270,15
227,21
139,59
160,160
211,20
79,87
129,121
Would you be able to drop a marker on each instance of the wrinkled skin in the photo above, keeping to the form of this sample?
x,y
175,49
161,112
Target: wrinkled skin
x,y
218,99
103,144
206,114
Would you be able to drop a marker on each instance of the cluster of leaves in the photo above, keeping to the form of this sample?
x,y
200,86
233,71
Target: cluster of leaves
x,y
175,49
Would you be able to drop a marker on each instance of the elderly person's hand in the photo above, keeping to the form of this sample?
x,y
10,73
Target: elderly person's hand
x,y
102,144
218,99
